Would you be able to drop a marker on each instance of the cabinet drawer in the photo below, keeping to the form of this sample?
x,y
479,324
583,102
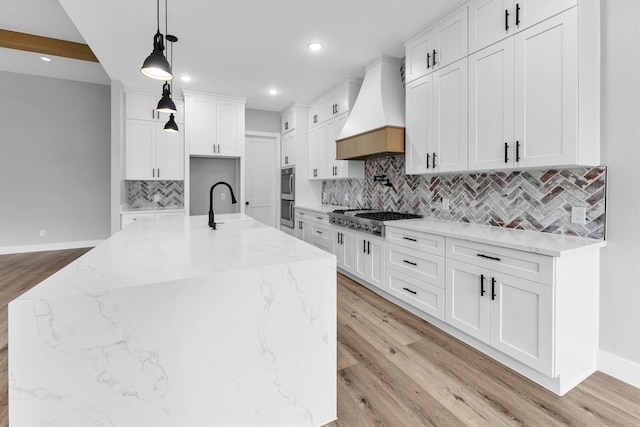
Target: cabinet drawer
x,y
422,266
536,267
321,234
417,240
423,296
312,216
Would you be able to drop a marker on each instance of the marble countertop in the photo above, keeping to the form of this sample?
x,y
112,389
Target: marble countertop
x,y
319,208
174,248
125,209
532,241
170,323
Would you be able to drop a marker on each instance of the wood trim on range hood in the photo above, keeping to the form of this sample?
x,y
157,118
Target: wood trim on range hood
x,y
380,142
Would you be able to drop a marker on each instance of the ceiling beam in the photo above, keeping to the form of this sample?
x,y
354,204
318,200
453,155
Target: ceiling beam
x,y
46,45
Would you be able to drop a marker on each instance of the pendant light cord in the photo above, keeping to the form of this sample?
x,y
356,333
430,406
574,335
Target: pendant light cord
x,y
158,13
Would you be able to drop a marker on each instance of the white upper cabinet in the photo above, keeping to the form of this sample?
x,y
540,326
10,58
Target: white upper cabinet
x,y
288,151
531,102
491,107
546,92
288,119
141,106
214,125
151,153
327,116
436,133
317,112
437,47
493,20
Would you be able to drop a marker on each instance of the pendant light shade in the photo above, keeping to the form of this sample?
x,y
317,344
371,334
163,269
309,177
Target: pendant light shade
x,y
166,104
171,125
156,65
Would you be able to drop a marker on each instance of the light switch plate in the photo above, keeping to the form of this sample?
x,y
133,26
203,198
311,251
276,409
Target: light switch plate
x,y
445,204
579,215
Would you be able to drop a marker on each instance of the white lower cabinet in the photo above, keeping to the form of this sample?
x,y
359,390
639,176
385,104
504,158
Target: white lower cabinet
x,y
314,228
369,264
509,313
344,248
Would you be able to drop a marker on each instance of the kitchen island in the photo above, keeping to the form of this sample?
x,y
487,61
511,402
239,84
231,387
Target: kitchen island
x,y
171,323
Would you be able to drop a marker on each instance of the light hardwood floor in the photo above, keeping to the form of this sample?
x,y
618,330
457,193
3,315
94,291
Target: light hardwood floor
x,y
396,370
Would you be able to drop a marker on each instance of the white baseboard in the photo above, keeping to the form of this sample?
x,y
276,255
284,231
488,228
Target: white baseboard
x,y
48,247
620,368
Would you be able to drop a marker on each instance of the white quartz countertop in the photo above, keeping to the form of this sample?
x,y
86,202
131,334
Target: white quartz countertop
x,y
127,210
174,248
319,208
531,241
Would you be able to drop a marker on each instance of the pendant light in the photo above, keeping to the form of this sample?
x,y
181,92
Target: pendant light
x,y
156,65
171,125
166,104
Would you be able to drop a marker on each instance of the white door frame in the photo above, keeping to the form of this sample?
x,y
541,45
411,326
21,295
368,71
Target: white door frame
x,y
276,195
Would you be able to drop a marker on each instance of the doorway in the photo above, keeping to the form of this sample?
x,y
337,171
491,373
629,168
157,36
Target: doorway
x,y
262,177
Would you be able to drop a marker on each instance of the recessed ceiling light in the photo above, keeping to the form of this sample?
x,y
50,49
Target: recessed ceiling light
x,y
185,78
315,46
273,91
45,59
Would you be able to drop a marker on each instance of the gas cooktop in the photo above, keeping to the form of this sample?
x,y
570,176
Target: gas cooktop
x,y
366,220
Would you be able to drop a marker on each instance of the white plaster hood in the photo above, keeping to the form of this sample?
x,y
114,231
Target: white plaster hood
x,y
375,126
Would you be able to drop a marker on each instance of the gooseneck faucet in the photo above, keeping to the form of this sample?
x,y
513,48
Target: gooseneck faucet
x,y
212,222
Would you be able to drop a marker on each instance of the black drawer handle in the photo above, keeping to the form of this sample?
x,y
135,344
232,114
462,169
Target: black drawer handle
x,y
319,217
319,232
493,288
482,285
409,238
488,257
409,262
506,152
506,20
409,290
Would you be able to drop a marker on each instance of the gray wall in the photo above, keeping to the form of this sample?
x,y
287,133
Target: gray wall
x,y
54,160
262,121
204,173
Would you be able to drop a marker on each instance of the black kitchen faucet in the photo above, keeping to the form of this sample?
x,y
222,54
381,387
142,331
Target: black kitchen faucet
x,y
212,222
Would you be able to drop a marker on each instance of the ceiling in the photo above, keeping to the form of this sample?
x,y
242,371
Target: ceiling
x,y
239,48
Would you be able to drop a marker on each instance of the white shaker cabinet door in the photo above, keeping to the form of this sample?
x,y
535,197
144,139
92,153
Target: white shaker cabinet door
x,y
521,320
450,124
140,150
419,130
546,92
489,21
468,299
200,126
230,132
491,95
169,154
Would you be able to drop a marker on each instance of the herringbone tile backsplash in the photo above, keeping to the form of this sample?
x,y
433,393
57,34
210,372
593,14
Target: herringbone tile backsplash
x,y
140,194
539,200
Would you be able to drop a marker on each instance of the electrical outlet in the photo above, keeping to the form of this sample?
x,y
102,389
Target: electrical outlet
x,y
222,196
579,215
42,233
445,204
156,197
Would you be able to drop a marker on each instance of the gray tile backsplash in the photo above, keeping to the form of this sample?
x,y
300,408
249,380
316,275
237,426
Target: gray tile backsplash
x,y
539,200
140,194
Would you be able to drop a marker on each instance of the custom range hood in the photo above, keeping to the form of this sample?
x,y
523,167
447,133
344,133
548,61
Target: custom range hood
x,y
375,127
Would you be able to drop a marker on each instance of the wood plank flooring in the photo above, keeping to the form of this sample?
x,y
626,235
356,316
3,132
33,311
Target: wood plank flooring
x,y
396,370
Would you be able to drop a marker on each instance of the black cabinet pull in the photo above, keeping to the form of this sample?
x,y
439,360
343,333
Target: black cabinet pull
x,y
364,246
153,172
434,160
506,152
517,13
341,238
482,285
428,60
409,262
409,290
488,257
409,238
368,247
319,217
286,125
428,156
493,288
315,118
506,20
517,151
434,57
